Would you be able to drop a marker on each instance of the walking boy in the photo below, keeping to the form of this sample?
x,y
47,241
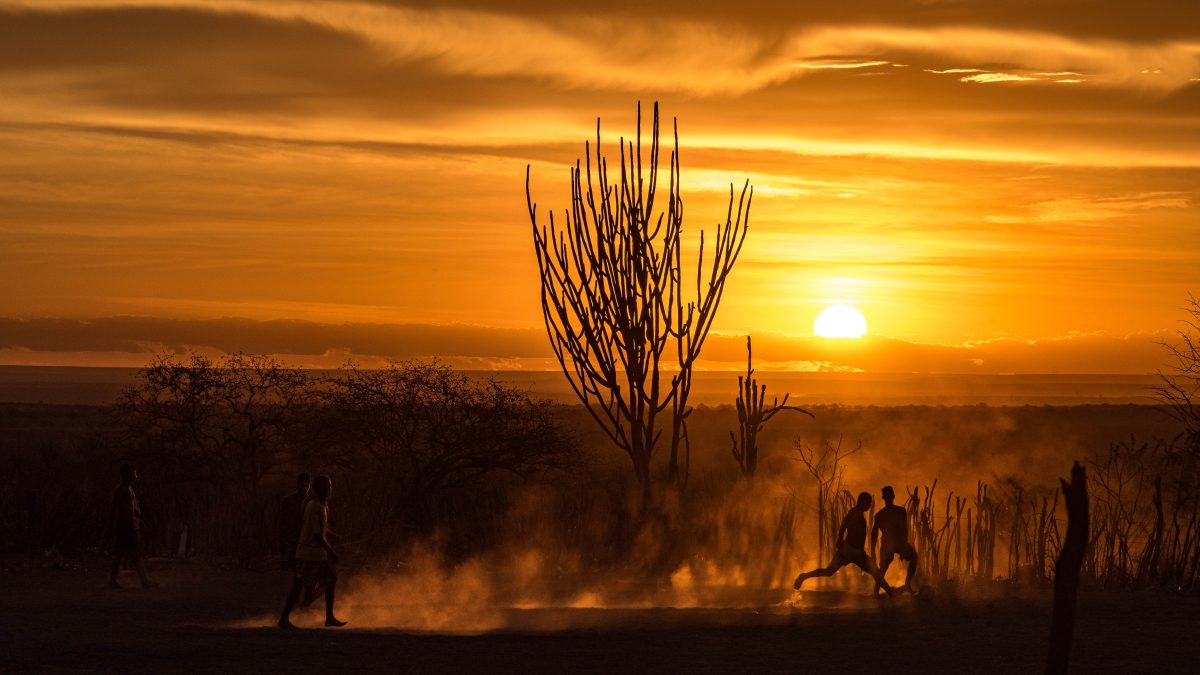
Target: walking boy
x,y
315,558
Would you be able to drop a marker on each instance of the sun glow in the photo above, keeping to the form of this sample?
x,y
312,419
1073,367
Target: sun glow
x,y
840,321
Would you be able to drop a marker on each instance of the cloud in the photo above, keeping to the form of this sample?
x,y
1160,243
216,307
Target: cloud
x,y
288,337
1092,353
345,73
999,77
702,57
837,64
1099,208
979,76
132,340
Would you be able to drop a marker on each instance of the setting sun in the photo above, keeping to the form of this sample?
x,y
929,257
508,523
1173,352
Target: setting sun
x,y
840,321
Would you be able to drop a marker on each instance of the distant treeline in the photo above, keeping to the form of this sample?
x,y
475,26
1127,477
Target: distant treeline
x,y
421,453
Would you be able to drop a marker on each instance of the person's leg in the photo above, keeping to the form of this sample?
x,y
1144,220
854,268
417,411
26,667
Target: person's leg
x,y
834,565
123,548
867,565
330,586
134,555
910,556
885,561
293,595
141,570
311,593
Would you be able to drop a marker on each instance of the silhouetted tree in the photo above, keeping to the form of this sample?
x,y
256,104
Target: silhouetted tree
x,y
419,428
828,467
225,424
753,413
227,421
1180,383
614,298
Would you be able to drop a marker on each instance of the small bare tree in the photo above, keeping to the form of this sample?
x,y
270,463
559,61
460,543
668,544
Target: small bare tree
x,y
614,298
420,429
226,424
753,413
1179,387
828,467
227,421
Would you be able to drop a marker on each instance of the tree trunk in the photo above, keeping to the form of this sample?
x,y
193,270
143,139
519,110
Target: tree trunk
x,y
1066,571
641,470
673,472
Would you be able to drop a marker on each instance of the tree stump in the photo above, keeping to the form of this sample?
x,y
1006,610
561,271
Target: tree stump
x,y
1066,571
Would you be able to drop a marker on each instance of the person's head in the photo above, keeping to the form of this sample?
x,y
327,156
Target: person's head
x,y
323,487
889,495
128,473
864,501
302,483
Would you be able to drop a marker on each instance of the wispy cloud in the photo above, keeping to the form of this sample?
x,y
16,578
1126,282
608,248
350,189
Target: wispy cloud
x,y
999,77
838,64
1090,210
703,57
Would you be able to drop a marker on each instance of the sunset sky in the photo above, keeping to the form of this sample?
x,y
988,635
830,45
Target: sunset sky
x,y
1004,185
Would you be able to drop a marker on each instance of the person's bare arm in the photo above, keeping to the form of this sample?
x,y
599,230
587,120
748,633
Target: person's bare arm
x,y
333,556
324,542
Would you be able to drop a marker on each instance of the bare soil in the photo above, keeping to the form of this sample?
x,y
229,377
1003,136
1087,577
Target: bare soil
x,y
59,618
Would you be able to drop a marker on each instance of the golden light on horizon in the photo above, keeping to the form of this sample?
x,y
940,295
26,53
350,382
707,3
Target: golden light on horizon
x,y
840,321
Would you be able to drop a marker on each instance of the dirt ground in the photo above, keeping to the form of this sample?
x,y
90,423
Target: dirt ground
x,y
56,618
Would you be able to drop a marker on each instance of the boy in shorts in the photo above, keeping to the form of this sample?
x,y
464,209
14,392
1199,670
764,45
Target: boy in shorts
x,y
892,522
851,547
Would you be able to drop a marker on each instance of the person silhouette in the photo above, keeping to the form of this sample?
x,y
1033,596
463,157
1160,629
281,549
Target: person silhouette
x,y
291,519
850,547
892,522
315,557
126,516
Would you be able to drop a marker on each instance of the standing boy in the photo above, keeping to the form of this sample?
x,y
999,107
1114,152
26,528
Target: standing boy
x,y
892,521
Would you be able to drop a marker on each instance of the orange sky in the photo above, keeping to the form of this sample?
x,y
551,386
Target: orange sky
x,y
962,172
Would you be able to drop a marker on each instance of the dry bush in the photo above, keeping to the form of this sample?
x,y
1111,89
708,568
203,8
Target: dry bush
x,y
1142,534
415,434
1179,388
